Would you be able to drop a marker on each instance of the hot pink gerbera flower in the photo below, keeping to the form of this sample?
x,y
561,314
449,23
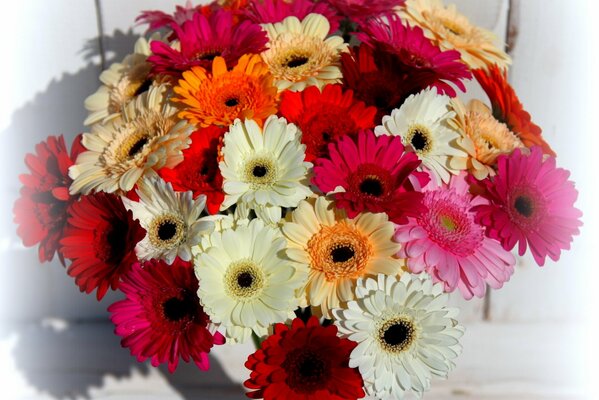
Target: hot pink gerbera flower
x,y
415,55
272,11
161,318
446,242
204,38
158,19
361,9
532,203
375,175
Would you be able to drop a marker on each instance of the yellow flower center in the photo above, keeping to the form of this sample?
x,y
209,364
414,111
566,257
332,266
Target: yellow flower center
x,y
167,231
419,138
260,172
244,280
447,223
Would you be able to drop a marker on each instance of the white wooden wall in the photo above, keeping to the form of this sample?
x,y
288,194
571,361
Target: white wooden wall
x,y
51,61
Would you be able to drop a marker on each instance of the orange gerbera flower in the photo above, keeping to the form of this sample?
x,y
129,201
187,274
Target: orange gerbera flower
x,y
218,98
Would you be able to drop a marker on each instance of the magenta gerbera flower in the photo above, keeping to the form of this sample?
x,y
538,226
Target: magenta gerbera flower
x,y
447,242
272,11
157,19
162,318
532,204
204,38
374,174
358,10
415,54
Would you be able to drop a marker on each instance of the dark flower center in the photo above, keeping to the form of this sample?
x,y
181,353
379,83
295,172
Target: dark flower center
x,y
297,61
116,241
307,370
259,171
176,309
524,206
208,55
167,230
232,102
137,146
371,186
245,280
144,87
342,253
397,335
419,140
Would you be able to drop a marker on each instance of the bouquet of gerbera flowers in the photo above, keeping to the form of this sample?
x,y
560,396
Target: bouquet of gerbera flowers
x,y
301,173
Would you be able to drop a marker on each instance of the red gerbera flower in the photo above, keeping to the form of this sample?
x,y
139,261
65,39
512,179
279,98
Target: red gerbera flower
x,y
162,318
508,109
272,11
41,212
199,170
325,116
306,361
100,239
358,10
415,55
204,38
375,174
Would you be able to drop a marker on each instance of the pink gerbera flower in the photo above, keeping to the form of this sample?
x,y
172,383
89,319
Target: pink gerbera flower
x,y
447,242
158,19
361,9
415,55
272,11
374,174
204,38
162,318
532,203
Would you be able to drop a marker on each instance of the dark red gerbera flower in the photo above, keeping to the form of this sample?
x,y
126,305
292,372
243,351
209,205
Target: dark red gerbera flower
x,y
508,109
306,361
204,38
41,211
272,11
199,170
100,240
162,318
325,116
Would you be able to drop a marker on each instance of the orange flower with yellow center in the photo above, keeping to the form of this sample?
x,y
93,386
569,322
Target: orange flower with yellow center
x,y
338,250
220,97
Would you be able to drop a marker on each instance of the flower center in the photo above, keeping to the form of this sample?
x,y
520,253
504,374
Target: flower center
x,y
208,55
527,207
419,138
244,280
260,172
132,146
342,253
307,371
447,222
167,231
524,206
176,308
232,102
144,86
397,334
371,186
112,243
296,60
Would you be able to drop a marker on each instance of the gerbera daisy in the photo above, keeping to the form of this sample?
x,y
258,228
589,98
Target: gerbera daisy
x,y
171,220
451,30
451,246
220,97
422,122
338,250
264,167
100,241
158,19
371,175
199,171
324,116
483,137
41,211
121,83
305,361
204,38
532,204
246,281
299,53
415,54
120,153
161,317
358,10
406,334
272,11
508,108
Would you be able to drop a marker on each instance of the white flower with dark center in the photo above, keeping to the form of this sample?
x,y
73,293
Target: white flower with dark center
x,y
171,220
422,122
405,333
246,281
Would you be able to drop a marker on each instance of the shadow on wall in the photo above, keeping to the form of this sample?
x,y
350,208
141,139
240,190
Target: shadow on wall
x,y
68,362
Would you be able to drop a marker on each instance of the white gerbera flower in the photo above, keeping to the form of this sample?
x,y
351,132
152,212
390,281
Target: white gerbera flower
x,y
405,333
264,167
171,220
246,282
422,122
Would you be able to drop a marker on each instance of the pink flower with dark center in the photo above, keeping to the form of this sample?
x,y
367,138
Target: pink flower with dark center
x,y
272,11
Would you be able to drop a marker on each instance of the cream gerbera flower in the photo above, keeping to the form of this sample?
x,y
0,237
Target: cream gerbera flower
x,y
423,124
300,55
264,168
122,82
120,153
246,281
405,333
171,220
451,30
338,250
483,137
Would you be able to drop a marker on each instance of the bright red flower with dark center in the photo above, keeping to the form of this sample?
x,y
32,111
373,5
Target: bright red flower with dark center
x,y
508,109
376,175
306,361
325,116
199,170
41,211
162,318
100,240
204,38
414,54
272,11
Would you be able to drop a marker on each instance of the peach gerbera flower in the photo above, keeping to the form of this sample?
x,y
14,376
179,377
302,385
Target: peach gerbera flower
x,y
220,97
